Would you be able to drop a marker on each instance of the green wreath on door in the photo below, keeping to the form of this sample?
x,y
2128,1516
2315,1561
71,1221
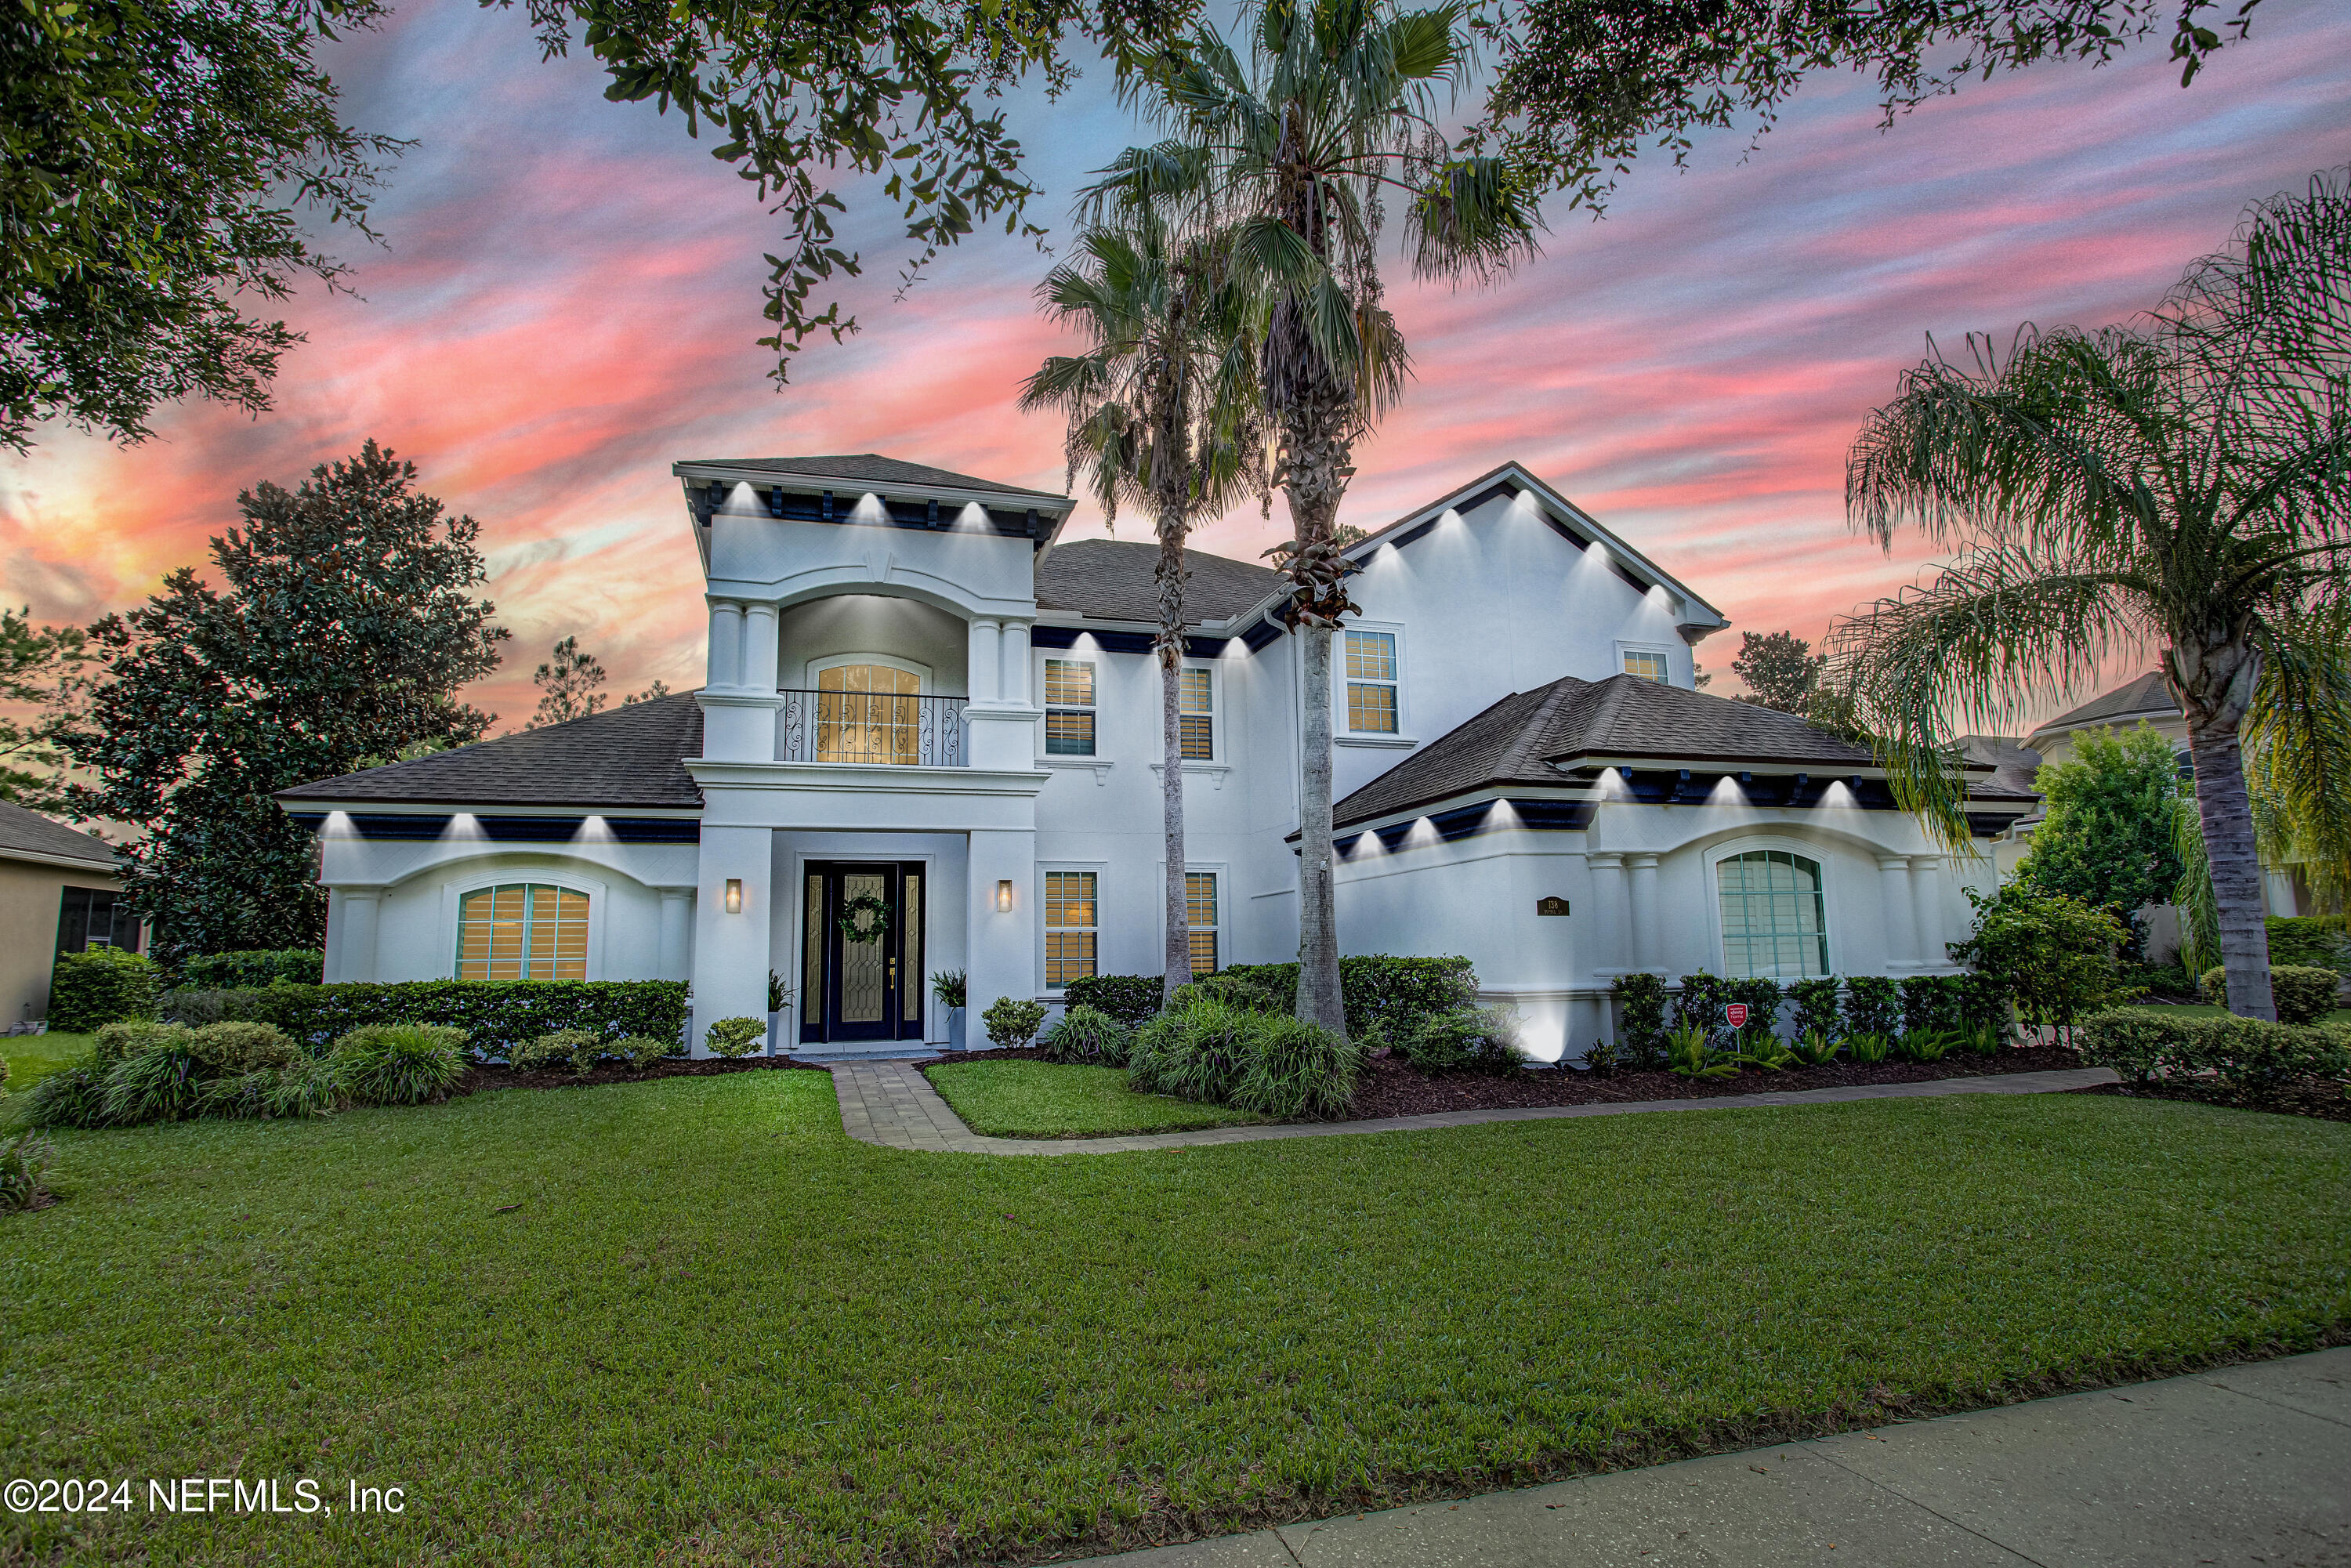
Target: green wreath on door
x,y
864,903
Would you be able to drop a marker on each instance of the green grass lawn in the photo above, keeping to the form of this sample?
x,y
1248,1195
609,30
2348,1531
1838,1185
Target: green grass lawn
x,y
33,1057
713,1329
1044,1099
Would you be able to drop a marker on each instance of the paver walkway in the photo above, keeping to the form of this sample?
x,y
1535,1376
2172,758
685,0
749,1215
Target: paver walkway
x,y
891,1104
2243,1465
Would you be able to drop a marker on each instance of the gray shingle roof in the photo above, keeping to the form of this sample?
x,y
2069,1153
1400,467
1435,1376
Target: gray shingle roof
x,y
2148,695
1517,740
867,467
1111,580
628,756
2013,763
25,831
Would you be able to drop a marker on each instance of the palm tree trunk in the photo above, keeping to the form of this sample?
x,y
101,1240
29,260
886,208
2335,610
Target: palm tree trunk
x,y
2214,687
1178,967
1320,1000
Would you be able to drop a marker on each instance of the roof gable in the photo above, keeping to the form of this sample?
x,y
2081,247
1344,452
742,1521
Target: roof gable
x,y
2149,695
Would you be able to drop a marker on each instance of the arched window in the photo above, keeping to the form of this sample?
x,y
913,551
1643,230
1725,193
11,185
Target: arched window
x,y
868,713
522,931
1774,919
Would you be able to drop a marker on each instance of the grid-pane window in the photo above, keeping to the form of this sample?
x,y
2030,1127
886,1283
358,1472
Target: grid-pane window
x,y
1372,683
1774,920
1069,707
522,931
869,713
1200,919
94,918
1648,667
1198,716
1070,928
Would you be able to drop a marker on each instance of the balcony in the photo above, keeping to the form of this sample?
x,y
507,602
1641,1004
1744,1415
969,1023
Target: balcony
x,y
895,729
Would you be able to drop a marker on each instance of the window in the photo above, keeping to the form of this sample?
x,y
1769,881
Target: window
x,y
1774,921
94,918
1069,927
1069,707
1648,667
1372,683
522,932
868,713
1197,716
1200,919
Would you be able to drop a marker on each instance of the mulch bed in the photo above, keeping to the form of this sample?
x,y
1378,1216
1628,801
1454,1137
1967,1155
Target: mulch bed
x,y
494,1075
2309,1097
1391,1088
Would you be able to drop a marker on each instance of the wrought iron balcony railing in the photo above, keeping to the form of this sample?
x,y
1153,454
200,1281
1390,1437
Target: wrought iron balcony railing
x,y
893,728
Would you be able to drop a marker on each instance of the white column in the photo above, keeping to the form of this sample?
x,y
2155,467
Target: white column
x,y
676,933
760,647
355,954
730,949
1894,911
1645,954
1012,685
726,643
1926,909
1001,947
981,675
1612,941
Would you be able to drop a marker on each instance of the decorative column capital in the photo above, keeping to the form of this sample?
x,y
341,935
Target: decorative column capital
x,y
1605,860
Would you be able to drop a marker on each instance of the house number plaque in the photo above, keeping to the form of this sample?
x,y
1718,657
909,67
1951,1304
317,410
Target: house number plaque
x,y
1551,907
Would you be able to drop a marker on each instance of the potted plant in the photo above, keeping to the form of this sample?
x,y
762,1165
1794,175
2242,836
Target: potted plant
x,y
779,998
947,985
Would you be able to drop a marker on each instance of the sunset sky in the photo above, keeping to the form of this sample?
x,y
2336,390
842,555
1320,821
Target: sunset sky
x,y
567,298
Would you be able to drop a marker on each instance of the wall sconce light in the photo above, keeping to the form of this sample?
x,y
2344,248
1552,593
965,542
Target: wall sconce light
x,y
734,895
1004,895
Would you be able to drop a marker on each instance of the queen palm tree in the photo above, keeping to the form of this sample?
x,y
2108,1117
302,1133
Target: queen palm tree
x,y
2175,486
1294,156
1162,414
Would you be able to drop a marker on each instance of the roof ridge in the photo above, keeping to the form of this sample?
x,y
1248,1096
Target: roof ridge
x,y
1526,748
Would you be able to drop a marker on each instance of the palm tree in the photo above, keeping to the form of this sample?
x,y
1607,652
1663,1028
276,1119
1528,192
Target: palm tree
x,y
1293,157
1162,414
2175,486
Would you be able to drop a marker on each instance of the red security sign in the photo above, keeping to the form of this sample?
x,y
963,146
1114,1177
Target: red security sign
x,y
1735,1015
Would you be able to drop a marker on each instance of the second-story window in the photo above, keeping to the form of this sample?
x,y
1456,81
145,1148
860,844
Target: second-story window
x,y
1372,683
1198,716
1069,707
1648,667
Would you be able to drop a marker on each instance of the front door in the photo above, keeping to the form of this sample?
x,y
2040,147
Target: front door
x,y
861,962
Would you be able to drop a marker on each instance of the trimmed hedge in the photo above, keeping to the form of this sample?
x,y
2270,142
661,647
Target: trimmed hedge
x,y
254,967
1378,988
2302,995
1131,1000
2308,941
1872,1005
2142,1043
1641,1020
89,990
497,1015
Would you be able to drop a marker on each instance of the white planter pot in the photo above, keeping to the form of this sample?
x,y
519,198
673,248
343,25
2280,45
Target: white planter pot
x,y
779,1044
955,1029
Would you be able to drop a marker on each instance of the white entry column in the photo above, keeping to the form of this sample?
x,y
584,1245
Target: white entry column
x,y
733,900
1927,907
676,933
1611,912
982,659
1900,923
1002,920
1645,954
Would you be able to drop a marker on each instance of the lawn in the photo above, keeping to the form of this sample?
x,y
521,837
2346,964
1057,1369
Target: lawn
x,y
690,1322
1042,1100
33,1057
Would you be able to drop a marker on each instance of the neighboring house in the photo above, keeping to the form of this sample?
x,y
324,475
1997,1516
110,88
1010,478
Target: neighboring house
x,y
58,894
929,741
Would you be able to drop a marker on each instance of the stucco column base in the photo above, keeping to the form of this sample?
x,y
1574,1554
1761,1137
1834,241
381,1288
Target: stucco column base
x,y
1002,736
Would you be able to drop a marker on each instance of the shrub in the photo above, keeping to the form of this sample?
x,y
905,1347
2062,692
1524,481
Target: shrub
x,y
1468,1036
1924,1044
1012,1021
1244,991
126,1037
1816,1007
1197,1050
2054,956
1377,987
642,1050
947,984
229,1049
1868,1050
1762,995
1641,1020
1295,1070
1813,1048
1984,1004
1128,999
24,1160
1872,1005
2142,1043
72,1096
1700,1004
495,1014
89,990
2309,941
2301,995
1933,1002
159,1081
196,1008
1688,1053
304,1087
1088,1036
398,1065
736,1037
254,968
574,1048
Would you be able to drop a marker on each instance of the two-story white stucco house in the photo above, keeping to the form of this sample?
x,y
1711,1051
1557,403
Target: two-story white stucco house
x,y
923,710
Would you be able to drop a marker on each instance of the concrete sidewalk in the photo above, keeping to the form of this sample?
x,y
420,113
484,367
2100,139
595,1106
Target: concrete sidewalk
x,y
2249,1465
